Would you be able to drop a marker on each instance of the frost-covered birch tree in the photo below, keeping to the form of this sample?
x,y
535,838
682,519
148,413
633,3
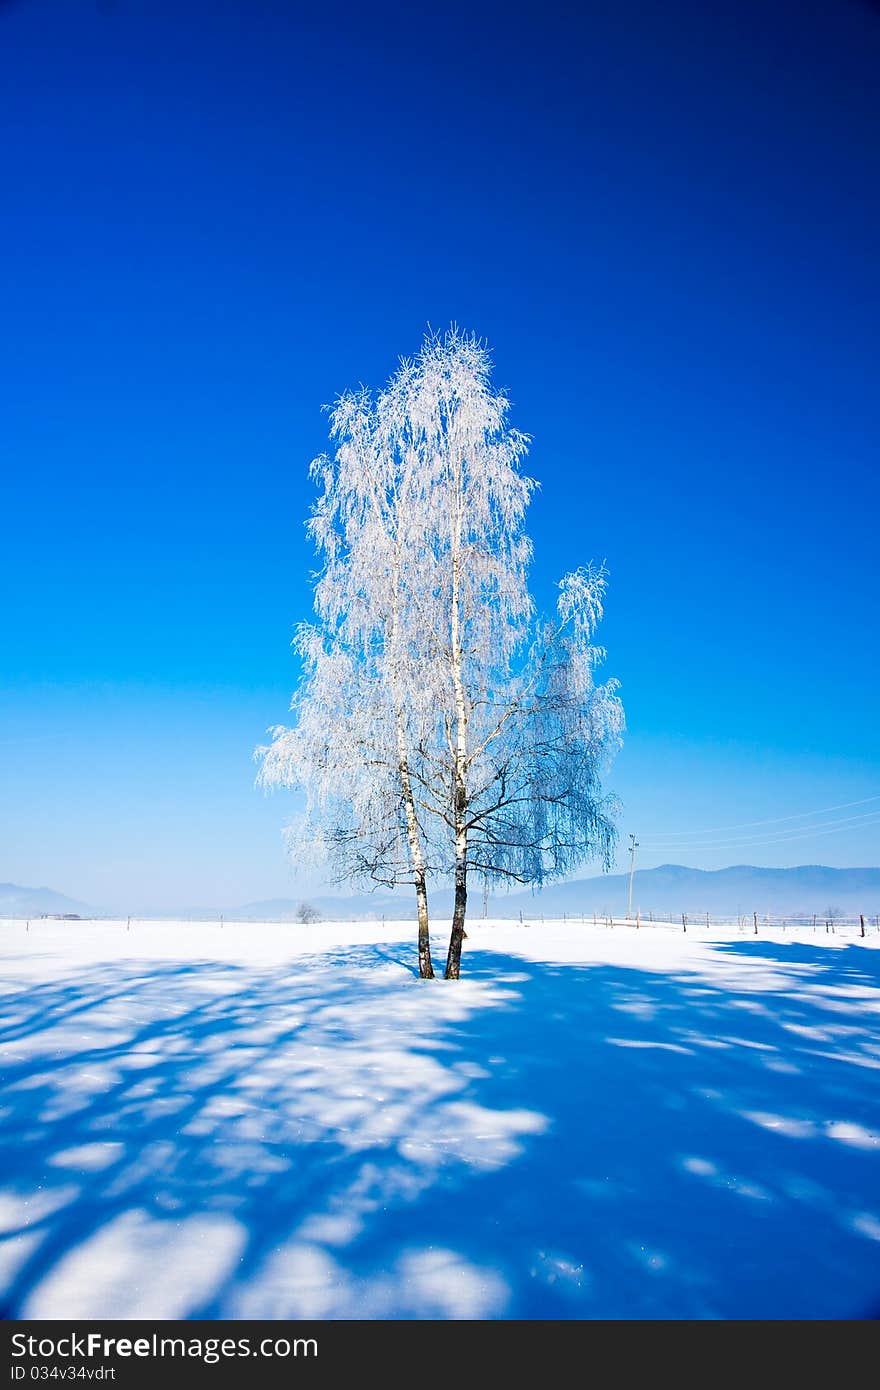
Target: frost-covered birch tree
x,y
440,727
511,767
358,712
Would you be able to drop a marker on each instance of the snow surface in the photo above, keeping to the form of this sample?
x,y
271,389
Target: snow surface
x,y
280,1121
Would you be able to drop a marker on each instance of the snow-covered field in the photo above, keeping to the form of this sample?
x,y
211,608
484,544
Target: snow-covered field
x,y
282,1121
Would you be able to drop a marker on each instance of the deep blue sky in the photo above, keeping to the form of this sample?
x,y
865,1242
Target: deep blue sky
x,y
664,218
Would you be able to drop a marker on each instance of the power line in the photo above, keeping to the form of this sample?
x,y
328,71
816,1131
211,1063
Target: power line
x,y
829,828
794,830
834,827
776,820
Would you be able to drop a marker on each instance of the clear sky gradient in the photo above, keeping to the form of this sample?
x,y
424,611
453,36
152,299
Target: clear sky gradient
x,y
664,219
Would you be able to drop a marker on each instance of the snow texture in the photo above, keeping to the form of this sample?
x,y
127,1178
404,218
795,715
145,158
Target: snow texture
x,y
282,1121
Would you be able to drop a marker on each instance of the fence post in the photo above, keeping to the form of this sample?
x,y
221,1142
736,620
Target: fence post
x,y
862,923
639,919
684,922
755,916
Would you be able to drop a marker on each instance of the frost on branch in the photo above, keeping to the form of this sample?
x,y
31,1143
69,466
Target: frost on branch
x,y
438,726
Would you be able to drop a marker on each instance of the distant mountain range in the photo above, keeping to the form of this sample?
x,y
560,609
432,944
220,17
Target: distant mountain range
x,y
743,888
668,890
16,901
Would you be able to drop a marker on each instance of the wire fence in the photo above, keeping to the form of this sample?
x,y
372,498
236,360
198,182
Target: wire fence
x,y
858,924
837,923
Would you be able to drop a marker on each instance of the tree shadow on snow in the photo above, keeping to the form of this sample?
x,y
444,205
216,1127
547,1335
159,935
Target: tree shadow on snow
x,y
337,1139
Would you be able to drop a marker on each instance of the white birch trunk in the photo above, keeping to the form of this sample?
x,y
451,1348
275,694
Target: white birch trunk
x,y
459,788
417,859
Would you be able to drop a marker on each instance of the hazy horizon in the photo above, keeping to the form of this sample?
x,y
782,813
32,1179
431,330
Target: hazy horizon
x,y
612,886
